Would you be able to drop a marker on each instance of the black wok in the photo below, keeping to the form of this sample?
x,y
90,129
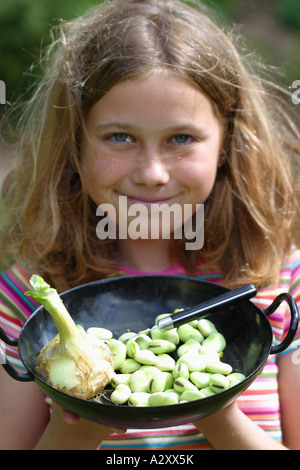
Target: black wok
x,y
132,303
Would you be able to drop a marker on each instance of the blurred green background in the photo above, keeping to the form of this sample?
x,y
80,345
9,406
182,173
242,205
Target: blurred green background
x,y
271,26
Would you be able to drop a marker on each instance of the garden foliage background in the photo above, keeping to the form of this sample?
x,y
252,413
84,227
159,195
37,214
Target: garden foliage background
x,y
272,27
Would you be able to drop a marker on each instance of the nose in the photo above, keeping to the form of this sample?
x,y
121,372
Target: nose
x,y
151,171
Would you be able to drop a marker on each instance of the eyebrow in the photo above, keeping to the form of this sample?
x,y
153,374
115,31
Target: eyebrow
x,y
121,125
180,128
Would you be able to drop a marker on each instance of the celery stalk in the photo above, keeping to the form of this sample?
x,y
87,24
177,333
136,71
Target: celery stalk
x,y
74,361
49,298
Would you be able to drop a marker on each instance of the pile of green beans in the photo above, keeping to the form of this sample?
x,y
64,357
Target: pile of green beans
x,y
146,373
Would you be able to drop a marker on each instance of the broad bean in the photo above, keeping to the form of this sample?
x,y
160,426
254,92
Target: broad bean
x,y
206,327
132,348
218,382
165,362
138,381
210,353
168,335
186,332
181,370
194,361
207,391
129,366
159,317
121,394
143,341
171,335
145,356
160,382
160,346
150,371
181,385
172,390
138,399
219,368
162,399
193,323
118,349
189,345
126,336
118,379
216,341
238,375
235,378
191,395
101,333
200,379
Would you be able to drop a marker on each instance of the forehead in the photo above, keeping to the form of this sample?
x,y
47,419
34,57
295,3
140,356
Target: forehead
x,y
159,98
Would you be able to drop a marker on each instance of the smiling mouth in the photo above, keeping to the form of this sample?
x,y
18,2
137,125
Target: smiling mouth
x,y
147,201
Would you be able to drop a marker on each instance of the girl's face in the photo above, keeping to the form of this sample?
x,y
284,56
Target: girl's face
x,y
154,140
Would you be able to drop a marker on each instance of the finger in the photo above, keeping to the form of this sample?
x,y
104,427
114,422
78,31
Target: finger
x,y
119,430
70,418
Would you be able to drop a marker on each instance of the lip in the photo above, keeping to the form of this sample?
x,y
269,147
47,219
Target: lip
x,y
147,200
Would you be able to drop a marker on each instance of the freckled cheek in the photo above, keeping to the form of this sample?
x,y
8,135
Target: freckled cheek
x,y
199,179
100,175
96,165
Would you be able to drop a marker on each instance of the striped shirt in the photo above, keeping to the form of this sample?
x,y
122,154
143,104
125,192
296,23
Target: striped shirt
x,y
260,402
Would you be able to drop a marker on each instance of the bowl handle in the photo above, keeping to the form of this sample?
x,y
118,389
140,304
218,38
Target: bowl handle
x,y
5,363
293,323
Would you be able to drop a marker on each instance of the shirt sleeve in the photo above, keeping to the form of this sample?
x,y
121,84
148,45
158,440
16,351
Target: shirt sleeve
x,y
294,291
15,307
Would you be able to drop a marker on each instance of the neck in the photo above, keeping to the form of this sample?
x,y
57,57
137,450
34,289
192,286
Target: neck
x,y
144,255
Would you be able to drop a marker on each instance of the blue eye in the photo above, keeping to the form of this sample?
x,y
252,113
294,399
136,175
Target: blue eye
x,y
182,139
120,138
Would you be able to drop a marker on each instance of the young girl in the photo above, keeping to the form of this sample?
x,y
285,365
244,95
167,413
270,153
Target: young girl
x,y
150,99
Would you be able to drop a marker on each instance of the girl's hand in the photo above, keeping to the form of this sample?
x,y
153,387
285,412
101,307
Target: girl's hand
x,y
230,429
67,431
72,418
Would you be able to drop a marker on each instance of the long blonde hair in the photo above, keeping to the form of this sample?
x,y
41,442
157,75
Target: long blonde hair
x,y
250,217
